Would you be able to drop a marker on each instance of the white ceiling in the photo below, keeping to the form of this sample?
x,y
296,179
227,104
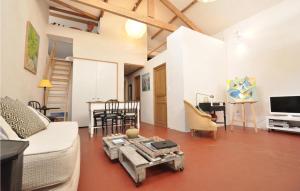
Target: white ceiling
x,y
211,18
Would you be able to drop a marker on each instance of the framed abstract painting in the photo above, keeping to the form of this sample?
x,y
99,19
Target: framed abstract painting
x,y
146,82
241,89
32,43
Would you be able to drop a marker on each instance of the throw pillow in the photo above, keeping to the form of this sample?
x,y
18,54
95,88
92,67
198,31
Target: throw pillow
x,y
45,119
21,119
8,130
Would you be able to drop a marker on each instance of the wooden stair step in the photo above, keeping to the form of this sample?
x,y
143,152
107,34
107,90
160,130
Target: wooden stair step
x,y
60,80
58,95
61,69
58,92
58,89
60,75
56,102
63,63
57,84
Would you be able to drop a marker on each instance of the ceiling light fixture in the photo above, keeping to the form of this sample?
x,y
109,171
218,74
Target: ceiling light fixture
x,y
135,29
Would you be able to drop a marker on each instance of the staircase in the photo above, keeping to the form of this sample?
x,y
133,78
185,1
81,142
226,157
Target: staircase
x,y
60,74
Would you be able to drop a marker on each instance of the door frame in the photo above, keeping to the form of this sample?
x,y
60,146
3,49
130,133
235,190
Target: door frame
x,y
135,87
154,97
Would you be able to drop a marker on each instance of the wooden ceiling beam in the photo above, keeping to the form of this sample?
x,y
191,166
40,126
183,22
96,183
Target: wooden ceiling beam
x,y
150,8
180,15
156,48
136,5
70,12
59,2
102,12
174,18
72,18
127,14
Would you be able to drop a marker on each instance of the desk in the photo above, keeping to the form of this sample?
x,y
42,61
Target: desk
x,y
45,109
100,105
213,108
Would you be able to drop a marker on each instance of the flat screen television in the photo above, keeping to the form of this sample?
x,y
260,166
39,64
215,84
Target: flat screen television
x,y
287,105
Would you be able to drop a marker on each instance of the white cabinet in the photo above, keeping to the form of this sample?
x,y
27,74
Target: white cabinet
x,y
283,123
92,80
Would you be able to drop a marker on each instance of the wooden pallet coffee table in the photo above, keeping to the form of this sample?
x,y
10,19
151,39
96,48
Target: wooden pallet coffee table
x,y
136,159
111,149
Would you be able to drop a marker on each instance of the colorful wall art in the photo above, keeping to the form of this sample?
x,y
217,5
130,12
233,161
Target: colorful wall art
x,y
31,49
241,89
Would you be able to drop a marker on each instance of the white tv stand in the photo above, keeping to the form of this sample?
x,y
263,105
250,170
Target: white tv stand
x,y
294,122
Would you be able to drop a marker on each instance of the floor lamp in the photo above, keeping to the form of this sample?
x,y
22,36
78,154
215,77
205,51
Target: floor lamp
x,y
45,84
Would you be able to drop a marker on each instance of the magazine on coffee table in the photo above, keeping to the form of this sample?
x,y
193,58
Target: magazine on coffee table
x,y
118,141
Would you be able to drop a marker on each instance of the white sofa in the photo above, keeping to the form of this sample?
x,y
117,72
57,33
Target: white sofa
x,y
52,159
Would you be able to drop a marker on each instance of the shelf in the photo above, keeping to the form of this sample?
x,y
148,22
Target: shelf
x,y
295,129
293,121
284,117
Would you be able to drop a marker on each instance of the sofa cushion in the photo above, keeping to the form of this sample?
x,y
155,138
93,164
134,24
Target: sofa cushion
x,y
58,136
21,119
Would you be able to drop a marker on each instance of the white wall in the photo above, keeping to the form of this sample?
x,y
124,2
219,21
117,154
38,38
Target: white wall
x,y
17,82
267,48
175,81
92,80
147,105
195,63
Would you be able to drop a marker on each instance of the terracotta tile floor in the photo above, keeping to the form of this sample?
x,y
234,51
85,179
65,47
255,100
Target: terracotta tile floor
x,y
237,161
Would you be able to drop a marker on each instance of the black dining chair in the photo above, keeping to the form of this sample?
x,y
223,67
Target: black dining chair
x,y
35,104
129,115
112,115
98,116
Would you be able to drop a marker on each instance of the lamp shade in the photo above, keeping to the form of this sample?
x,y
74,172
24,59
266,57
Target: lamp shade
x,y
135,29
45,84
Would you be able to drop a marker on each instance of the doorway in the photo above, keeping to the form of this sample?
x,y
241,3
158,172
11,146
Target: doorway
x,y
130,88
160,96
137,88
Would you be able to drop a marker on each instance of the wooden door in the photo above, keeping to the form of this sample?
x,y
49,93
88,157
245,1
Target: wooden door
x,y
137,88
160,96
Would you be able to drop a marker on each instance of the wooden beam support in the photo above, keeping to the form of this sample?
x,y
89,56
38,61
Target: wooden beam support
x,y
128,14
173,18
72,18
75,9
150,8
136,5
156,48
70,13
102,12
180,15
